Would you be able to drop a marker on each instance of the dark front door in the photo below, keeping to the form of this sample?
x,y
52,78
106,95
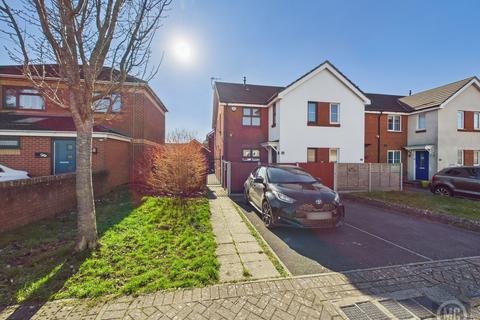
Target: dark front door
x,y
421,165
64,156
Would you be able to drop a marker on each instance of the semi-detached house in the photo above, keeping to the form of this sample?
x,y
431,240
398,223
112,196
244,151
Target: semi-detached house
x,y
39,136
324,117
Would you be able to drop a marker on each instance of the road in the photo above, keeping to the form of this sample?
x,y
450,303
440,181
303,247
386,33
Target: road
x,y
371,237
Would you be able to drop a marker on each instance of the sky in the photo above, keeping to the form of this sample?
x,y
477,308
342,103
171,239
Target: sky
x,y
383,46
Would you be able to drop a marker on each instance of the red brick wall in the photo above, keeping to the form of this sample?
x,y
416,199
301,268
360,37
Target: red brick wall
x,y
26,201
25,159
238,136
323,115
388,140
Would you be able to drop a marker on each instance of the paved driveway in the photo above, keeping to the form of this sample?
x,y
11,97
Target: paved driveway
x,y
371,237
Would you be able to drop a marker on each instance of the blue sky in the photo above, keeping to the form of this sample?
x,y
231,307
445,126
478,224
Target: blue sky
x,y
383,46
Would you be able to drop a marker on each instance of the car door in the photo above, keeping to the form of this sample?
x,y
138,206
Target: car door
x,y
257,189
249,182
462,180
471,182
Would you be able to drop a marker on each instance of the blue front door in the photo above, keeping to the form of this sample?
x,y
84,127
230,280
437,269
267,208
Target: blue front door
x,y
65,156
421,165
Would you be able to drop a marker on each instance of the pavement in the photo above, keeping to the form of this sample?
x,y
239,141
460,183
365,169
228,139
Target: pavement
x,y
372,237
414,291
239,253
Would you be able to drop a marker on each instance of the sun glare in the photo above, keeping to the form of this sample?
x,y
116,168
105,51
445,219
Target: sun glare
x,y
183,51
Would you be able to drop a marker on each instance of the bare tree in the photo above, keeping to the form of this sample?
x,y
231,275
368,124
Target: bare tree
x,y
95,45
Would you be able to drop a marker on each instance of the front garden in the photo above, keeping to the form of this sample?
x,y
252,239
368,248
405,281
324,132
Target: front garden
x,y
157,244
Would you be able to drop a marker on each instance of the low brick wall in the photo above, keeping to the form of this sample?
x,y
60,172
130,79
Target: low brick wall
x,y
29,200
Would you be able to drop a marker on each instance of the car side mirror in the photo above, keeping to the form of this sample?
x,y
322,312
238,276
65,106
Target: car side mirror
x,y
258,180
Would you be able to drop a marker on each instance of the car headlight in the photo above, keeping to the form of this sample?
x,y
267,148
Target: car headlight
x,y
337,198
282,197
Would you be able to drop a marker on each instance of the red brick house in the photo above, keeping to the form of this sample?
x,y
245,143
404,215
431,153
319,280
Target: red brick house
x,y
39,137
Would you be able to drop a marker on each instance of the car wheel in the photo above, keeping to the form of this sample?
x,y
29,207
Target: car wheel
x,y
267,215
443,191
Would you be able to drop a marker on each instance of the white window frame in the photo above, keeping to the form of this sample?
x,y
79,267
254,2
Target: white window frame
x,y
476,154
476,120
424,121
393,116
314,155
338,113
460,154
463,119
393,157
330,155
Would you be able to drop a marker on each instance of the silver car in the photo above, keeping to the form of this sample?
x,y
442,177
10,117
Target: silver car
x,y
457,181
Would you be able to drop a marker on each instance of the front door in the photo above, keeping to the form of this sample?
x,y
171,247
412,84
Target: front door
x,y
64,156
421,165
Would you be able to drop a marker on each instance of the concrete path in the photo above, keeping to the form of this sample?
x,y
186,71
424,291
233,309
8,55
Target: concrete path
x,y
238,252
407,292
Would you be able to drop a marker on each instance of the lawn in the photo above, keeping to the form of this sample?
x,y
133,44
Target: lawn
x,y
157,244
453,206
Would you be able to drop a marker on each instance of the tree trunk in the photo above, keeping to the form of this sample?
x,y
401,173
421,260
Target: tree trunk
x,y
87,226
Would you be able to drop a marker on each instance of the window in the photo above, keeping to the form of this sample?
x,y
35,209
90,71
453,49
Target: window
x,y
23,98
476,157
250,154
421,121
333,155
312,112
251,117
311,155
103,105
460,157
394,123
289,175
9,143
274,115
460,120
394,156
334,113
476,120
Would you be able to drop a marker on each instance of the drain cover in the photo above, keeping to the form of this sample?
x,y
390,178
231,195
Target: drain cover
x,y
353,312
417,309
372,311
396,309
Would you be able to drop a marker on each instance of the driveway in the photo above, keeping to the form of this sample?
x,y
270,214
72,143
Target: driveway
x,y
371,237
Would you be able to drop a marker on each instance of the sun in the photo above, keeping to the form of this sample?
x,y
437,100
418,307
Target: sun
x,y
183,51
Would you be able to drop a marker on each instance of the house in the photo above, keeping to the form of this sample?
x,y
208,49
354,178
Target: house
x,y
317,118
443,128
39,136
324,117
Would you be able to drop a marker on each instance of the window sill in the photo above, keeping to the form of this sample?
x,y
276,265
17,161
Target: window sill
x,y
468,130
395,131
324,125
420,130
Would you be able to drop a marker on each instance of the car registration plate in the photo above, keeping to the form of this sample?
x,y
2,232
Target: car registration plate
x,y
319,215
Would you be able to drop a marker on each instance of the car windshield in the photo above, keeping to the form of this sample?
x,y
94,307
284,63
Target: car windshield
x,y
281,175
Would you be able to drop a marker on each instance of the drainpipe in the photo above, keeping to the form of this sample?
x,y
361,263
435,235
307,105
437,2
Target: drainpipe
x,y
378,133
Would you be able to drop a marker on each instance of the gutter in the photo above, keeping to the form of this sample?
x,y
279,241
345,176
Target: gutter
x,y
73,134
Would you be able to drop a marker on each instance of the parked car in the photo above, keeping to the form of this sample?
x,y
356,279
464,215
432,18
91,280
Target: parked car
x,y
288,195
457,181
7,174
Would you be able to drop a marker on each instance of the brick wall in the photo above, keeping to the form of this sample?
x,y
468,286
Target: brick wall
x,y
24,159
29,200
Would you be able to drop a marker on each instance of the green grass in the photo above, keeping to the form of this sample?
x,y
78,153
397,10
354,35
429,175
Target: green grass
x,y
158,244
452,206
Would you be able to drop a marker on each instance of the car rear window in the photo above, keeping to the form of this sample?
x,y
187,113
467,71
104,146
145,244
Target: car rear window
x,y
280,175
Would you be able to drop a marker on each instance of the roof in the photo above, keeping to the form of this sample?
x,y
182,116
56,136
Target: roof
x,y
245,93
386,103
9,121
324,63
52,71
436,96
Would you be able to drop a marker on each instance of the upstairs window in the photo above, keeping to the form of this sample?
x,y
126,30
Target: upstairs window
x,y
251,117
114,101
252,155
476,121
460,120
312,113
394,156
421,121
23,98
394,123
334,113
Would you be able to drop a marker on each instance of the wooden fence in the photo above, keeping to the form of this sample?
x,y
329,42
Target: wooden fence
x,y
368,177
